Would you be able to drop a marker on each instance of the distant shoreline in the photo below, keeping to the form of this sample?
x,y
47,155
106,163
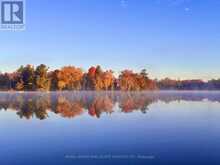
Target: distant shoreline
x,y
71,78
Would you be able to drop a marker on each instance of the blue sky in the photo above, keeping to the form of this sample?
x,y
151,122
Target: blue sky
x,y
174,38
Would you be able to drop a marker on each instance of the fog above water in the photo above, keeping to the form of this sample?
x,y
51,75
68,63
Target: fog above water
x,y
30,105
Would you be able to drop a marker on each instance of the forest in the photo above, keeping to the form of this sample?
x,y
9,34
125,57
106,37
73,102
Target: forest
x,y
29,78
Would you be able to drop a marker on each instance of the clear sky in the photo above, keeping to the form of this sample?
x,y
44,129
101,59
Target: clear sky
x,y
174,38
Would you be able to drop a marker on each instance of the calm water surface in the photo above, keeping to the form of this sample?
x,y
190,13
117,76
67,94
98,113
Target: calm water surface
x,y
110,128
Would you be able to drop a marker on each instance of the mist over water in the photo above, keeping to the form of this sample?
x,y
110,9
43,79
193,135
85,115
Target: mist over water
x,y
110,127
72,104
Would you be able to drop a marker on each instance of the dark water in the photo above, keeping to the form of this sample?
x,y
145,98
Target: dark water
x,y
110,128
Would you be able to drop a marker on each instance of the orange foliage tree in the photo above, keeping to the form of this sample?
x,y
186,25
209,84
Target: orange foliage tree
x,y
68,78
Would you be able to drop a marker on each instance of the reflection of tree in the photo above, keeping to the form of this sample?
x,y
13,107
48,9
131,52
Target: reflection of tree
x,y
72,104
34,106
68,108
41,105
127,104
101,104
130,102
27,109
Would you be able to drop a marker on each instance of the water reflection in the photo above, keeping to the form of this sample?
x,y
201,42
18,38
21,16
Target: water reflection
x,y
73,104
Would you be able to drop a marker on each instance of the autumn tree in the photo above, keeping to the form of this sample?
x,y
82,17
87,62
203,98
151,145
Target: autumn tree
x,y
144,82
128,81
98,78
68,77
19,84
90,79
55,80
108,80
42,82
26,78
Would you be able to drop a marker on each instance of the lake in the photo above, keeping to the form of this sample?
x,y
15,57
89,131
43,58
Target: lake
x,y
167,127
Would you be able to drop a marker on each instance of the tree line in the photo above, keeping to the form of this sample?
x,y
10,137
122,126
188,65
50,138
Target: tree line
x,y
196,84
29,78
